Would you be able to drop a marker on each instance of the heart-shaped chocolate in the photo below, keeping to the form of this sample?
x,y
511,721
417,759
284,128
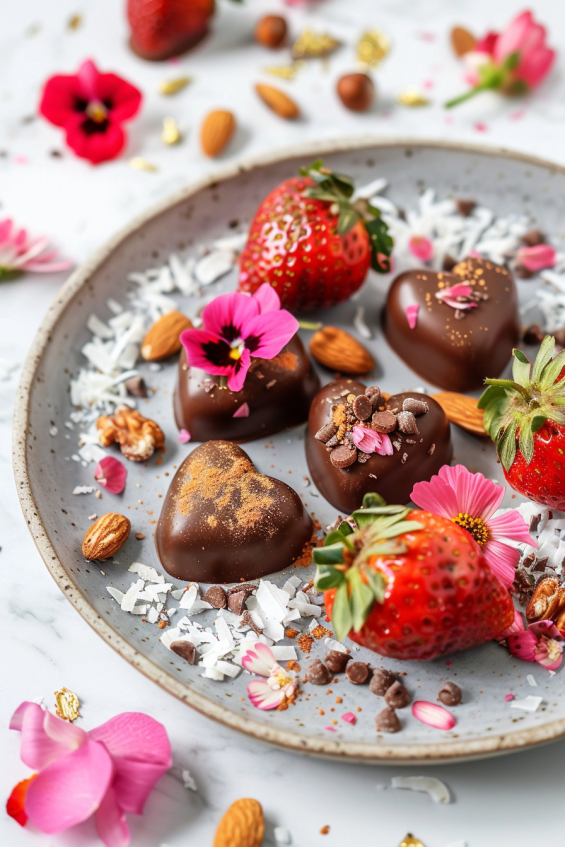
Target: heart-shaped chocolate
x,y
420,439
224,522
454,346
276,395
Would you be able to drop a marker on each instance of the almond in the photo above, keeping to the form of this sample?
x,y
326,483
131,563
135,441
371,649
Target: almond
x,y
217,130
271,31
462,411
278,101
462,40
163,339
241,826
105,537
339,351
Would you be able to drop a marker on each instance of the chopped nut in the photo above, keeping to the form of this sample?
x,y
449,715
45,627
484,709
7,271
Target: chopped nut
x,y
547,600
138,437
465,207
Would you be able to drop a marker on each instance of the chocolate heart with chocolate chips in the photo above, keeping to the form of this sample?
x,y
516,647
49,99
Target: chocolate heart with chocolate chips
x,y
276,394
421,444
222,521
457,340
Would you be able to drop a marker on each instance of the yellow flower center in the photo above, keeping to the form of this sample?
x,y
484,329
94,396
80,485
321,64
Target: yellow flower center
x,y
96,112
476,526
235,353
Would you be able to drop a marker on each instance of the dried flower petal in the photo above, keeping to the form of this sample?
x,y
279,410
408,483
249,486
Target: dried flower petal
x,y
16,801
421,247
349,717
173,86
111,474
412,315
242,411
184,436
538,257
433,715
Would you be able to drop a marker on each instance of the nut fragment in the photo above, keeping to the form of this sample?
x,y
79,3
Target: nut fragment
x,y
462,40
326,432
163,339
138,437
217,130
381,681
462,411
279,102
547,600
271,31
397,696
242,825
106,536
337,350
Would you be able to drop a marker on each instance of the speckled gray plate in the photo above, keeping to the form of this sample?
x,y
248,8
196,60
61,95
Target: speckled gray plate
x,y
486,724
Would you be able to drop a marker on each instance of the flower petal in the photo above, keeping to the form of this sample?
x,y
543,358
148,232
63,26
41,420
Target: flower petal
x,y
228,315
412,315
436,496
111,822
124,98
15,804
111,474
502,560
476,496
237,376
510,525
549,653
267,334
202,346
538,257
433,715
45,737
259,660
267,298
262,695
421,247
515,627
241,411
96,147
522,644
385,447
512,38
59,97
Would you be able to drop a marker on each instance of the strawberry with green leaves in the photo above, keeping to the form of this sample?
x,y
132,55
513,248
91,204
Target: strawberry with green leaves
x,y
409,584
525,417
311,243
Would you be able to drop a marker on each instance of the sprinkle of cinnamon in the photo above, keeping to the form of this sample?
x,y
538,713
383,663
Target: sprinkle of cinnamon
x,y
305,643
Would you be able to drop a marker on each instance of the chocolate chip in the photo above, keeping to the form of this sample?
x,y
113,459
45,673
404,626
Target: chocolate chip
x,y
325,433
383,422
237,597
357,672
344,455
136,386
362,407
373,391
216,596
184,649
448,262
522,272
465,207
533,237
417,407
449,694
318,673
336,660
533,334
381,681
387,721
397,696
406,423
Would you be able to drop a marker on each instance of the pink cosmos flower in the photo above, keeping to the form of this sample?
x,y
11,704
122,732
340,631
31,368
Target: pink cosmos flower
x,y
370,441
20,253
106,772
538,257
236,327
457,296
278,689
541,642
470,500
421,247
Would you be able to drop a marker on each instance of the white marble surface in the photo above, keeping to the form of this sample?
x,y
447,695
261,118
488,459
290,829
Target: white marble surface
x,y
45,644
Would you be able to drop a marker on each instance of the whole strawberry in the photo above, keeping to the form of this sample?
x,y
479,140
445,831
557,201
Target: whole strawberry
x,y
164,28
525,417
311,244
409,584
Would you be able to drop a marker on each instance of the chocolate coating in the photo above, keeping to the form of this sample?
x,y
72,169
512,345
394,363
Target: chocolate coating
x,y
222,521
454,354
278,392
344,488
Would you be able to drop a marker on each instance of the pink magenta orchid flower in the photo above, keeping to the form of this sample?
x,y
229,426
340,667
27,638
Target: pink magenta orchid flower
x,y
538,257
235,328
421,247
106,772
91,107
19,253
470,500
512,62
370,441
541,642
278,689
457,296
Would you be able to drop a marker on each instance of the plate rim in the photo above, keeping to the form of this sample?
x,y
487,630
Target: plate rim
x,y
369,753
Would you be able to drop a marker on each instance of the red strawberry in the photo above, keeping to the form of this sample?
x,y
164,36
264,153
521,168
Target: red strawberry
x,y
309,242
164,28
412,585
525,417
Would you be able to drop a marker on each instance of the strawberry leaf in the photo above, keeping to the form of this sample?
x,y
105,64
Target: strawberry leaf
x,y
526,442
328,577
330,555
537,422
507,447
521,368
552,371
372,499
381,245
361,599
348,217
493,392
342,619
544,356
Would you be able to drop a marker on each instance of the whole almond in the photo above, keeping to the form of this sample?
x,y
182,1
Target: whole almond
x,y
163,339
279,102
462,40
337,350
462,411
271,31
241,826
217,130
105,537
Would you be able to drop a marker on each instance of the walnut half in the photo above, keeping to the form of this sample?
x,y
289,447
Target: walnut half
x,y
137,436
548,601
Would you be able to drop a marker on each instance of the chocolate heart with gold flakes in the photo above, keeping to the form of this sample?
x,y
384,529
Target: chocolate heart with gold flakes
x,y
359,442
454,329
222,521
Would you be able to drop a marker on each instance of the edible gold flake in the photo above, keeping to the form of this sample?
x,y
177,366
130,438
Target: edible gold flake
x,y
314,45
410,841
285,71
171,133
173,86
67,704
139,164
373,47
412,97
74,22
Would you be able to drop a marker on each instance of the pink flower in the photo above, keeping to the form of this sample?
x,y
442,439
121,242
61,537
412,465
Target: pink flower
x,y
538,257
412,315
457,296
19,253
421,247
470,500
91,107
236,327
433,715
541,642
106,772
517,625
111,474
280,687
370,441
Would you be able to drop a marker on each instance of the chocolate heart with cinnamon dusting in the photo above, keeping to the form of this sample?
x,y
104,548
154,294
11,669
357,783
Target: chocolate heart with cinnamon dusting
x,y
454,346
417,455
222,521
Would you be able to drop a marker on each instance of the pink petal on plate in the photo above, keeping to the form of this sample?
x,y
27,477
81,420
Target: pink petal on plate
x,y
421,247
111,474
242,411
259,660
330,728
474,254
412,315
509,697
433,715
184,436
262,695
538,257
349,717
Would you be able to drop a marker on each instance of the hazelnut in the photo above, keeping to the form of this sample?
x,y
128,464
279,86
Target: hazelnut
x,y
356,92
271,31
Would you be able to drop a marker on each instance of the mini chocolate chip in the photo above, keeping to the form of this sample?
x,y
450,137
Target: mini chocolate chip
x,y
357,672
533,237
465,207
381,681
362,407
136,386
383,422
417,407
216,596
363,457
373,391
533,334
448,262
325,433
406,423
184,649
522,272
387,721
318,673
237,597
343,456
397,696
336,660
449,694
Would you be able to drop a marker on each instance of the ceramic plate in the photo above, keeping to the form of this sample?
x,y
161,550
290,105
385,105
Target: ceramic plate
x,y
503,182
